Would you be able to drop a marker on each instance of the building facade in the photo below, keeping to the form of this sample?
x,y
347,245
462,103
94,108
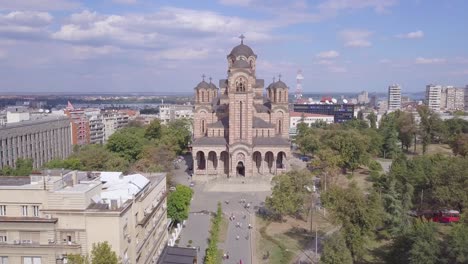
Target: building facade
x,y
296,118
433,97
237,130
171,112
454,98
363,97
394,97
45,217
113,121
340,112
79,125
41,140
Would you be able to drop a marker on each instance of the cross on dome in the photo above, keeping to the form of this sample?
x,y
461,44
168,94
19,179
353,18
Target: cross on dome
x,y
210,79
279,77
274,79
203,77
242,37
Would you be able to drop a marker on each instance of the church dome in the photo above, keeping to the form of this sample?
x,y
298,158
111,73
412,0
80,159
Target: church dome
x,y
242,50
280,84
213,86
203,84
241,64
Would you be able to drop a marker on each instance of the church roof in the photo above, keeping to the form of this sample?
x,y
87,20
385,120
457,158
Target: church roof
x,y
280,84
203,84
260,123
223,123
241,64
222,83
242,49
261,108
209,141
270,141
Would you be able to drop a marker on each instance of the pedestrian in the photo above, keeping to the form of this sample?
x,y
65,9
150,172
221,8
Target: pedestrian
x,y
240,225
237,237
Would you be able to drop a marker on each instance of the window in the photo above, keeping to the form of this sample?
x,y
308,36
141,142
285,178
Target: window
x,y
240,85
36,210
3,237
31,260
240,120
24,210
2,210
3,260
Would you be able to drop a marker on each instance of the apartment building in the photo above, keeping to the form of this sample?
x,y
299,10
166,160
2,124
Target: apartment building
x,y
296,118
394,97
113,121
454,98
79,126
45,217
96,126
171,112
434,97
363,97
41,139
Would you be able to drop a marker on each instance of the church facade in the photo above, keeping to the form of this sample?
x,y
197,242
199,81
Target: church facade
x,y
240,131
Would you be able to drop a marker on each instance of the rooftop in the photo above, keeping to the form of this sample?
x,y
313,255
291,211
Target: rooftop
x,y
178,255
299,114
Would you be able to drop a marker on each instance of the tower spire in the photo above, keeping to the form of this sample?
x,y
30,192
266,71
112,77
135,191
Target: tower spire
x,y
242,37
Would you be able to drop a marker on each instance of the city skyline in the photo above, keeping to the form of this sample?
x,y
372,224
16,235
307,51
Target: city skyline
x,y
129,46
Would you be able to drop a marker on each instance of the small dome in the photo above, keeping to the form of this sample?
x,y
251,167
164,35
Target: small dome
x,y
242,50
213,86
241,64
203,84
280,84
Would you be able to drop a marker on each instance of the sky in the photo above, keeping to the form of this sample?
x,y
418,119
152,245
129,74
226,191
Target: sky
x,y
122,46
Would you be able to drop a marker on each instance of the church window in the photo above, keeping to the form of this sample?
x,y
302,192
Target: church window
x,y
240,120
280,127
240,85
203,127
202,96
279,97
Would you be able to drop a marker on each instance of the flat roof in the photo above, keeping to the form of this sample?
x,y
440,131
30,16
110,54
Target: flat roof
x,y
178,255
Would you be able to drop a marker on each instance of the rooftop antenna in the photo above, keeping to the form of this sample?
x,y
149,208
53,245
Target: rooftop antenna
x,y
242,37
299,78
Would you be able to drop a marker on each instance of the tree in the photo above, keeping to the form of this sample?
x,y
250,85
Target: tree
x,y
459,145
335,250
389,134
23,167
457,248
178,203
102,253
431,126
154,130
359,215
350,145
419,245
372,117
307,139
127,142
289,194
406,128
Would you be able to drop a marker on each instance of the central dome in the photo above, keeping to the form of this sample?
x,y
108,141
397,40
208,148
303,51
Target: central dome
x,y
242,49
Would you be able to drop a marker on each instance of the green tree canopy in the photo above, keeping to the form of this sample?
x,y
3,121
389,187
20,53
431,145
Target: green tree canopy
x,y
178,203
127,142
335,250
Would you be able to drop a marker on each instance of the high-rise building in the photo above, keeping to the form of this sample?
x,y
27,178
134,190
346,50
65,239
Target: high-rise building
x,y
363,97
454,98
45,217
433,97
394,97
41,140
113,121
79,125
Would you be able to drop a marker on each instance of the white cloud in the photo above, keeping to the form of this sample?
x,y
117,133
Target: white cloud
x,y
411,35
127,2
460,72
324,62
337,69
182,54
167,26
334,6
329,54
90,52
356,37
422,60
38,5
24,24
236,2
385,61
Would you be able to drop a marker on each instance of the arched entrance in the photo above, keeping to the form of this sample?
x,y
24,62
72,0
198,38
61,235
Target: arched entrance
x,y
201,162
257,159
280,160
269,158
240,169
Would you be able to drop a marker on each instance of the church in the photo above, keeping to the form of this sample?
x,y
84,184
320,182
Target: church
x,y
240,130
